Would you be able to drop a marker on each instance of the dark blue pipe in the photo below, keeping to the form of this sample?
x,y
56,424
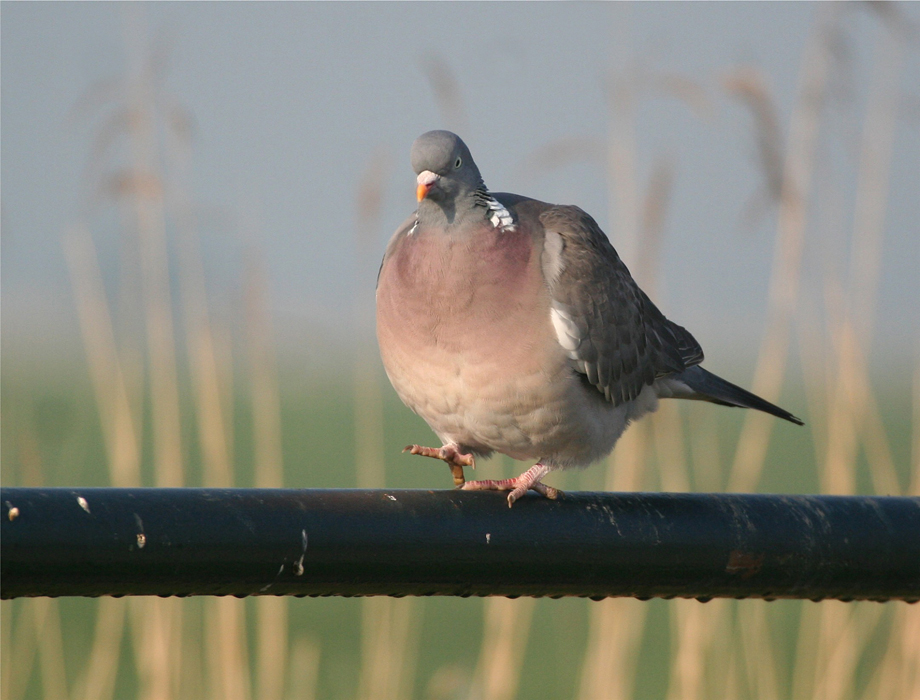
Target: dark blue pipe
x,y
103,541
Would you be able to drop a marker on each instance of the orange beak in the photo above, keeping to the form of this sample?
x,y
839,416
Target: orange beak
x,y
425,181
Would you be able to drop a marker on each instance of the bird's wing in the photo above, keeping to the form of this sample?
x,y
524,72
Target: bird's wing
x,y
612,332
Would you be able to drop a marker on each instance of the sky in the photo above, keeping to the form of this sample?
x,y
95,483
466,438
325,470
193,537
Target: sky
x,y
291,105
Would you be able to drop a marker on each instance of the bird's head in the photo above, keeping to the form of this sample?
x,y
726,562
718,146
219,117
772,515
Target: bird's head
x,y
444,166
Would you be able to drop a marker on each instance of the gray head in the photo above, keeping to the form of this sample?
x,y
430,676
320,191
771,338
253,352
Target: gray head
x,y
445,168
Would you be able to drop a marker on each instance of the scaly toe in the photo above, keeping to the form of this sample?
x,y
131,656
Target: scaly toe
x,y
516,494
448,453
547,491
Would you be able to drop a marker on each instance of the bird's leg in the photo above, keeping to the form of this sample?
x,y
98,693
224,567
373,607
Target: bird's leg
x,y
529,480
450,454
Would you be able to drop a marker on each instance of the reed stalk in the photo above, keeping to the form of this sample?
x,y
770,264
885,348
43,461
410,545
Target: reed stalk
x,y
798,168
157,623
304,669
506,628
272,651
47,620
97,680
108,381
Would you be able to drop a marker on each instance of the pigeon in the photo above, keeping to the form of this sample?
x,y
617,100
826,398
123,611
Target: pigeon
x,y
511,325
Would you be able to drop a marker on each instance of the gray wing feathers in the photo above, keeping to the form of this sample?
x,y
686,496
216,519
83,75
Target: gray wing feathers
x,y
613,333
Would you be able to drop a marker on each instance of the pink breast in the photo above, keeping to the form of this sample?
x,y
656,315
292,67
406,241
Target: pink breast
x,y
474,297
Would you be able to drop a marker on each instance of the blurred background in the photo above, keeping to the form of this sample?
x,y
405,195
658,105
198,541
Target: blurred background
x,y
195,201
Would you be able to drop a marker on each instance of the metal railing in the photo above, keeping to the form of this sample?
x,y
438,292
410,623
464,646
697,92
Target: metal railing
x,y
165,542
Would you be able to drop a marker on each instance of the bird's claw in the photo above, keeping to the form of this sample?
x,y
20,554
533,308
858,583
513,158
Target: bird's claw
x,y
448,453
528,481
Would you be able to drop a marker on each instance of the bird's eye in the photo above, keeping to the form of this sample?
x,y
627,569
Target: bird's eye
x,y
458,163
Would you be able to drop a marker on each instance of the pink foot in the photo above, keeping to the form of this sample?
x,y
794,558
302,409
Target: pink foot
x,y
528,481
450,454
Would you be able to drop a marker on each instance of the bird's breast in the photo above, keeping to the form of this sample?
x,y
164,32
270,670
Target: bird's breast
x,y
465,296
464,331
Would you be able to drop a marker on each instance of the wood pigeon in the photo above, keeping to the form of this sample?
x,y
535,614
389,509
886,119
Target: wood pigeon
x,y
511,325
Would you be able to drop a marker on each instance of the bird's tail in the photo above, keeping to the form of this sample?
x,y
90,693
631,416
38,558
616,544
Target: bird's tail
x,y
708,387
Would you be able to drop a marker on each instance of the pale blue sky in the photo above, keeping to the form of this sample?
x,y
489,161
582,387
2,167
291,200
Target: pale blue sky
x,y
291,101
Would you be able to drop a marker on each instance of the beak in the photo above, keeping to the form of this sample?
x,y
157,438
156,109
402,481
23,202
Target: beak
x,y
426,180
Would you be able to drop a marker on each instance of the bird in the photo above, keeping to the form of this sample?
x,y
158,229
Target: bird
x,y
511,325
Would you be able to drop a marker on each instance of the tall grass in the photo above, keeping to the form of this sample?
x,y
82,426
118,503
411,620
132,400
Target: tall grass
x,y
167,411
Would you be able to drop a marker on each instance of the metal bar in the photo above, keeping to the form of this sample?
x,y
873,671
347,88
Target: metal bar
x,y
91,542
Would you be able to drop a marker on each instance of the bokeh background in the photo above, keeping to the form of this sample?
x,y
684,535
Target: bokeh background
x,y
195,199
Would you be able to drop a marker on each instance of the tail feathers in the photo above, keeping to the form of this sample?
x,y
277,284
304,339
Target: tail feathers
x,y
708,387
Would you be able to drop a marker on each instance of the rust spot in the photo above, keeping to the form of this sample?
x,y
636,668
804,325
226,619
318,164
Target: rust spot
x,y
743,563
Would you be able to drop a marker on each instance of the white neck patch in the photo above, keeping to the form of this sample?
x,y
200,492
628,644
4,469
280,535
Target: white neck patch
x,y
499,216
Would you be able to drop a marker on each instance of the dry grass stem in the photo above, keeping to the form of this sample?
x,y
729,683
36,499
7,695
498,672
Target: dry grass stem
x,y
686,90
806,652
271,646
616,627
749,85
705,451
696,627
731,685
838,474
304,669
837,651
47,616
157,623
853,410
153,622
6,642
910,649
813,354
118,430
760,667
501,657
389,641
272,613
263,373
898,673
368,396
97,679
669,446
19,654
144,188
872,188
227,658
798,167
